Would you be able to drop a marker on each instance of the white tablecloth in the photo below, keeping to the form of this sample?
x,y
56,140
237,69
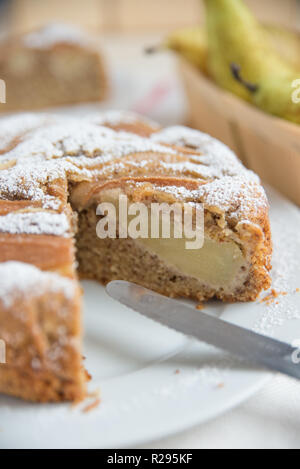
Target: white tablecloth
x,y
269,420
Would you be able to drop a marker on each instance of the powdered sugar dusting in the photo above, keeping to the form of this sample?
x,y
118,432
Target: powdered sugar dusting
x,y
26,182
35,222
239,195
80,149
55,151
18,279
17,125
230,187
218,159
80,138
179,192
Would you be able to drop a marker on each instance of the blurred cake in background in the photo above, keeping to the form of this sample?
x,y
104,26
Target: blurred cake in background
x,y
56,65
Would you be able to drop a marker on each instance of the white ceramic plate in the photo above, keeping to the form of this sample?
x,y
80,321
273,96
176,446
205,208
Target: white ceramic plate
x,y
153,381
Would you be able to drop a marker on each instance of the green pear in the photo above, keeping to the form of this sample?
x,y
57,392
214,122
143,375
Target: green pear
x,y
189,43
243,60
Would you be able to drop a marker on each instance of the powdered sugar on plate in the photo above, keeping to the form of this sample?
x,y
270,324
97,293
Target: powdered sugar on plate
x,y
285,224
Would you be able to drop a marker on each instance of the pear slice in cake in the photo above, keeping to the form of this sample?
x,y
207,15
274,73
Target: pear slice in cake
x,y
226,265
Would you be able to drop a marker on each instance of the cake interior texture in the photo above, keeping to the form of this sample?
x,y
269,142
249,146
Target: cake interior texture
x,y
165,265
54,172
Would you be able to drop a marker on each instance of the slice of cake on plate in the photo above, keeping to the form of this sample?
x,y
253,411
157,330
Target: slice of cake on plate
x,y
54,173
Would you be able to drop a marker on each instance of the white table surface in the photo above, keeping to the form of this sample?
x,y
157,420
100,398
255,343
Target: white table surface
x,y
269,420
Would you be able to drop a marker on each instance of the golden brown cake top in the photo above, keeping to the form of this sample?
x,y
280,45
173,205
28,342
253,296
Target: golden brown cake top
x,y
39,152
230,186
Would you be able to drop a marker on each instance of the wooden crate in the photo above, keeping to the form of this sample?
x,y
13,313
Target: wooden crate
x,y
268,145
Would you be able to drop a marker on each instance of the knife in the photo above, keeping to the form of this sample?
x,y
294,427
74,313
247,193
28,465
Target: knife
x,y
257,348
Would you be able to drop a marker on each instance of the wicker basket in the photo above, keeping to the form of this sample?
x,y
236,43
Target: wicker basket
x,y
268,145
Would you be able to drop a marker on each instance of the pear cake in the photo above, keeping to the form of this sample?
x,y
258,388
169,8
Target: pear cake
x,y
56,65
54,172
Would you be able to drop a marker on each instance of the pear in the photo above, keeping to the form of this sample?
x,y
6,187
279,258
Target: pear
x,y
190,43
242,59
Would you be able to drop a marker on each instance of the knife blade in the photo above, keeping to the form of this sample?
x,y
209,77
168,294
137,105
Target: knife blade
x,y
271,353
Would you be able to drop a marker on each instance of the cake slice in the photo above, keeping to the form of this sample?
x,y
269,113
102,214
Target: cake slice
x,y
54,66
41,328
40,302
